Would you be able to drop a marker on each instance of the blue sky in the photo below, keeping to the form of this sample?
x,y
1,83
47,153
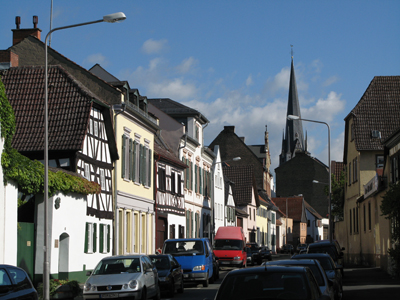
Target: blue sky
x,y
231,59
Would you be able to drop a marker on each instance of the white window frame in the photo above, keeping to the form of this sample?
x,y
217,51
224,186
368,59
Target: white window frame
x,y
87,171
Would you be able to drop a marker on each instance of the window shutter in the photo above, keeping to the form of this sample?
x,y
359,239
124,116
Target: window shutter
x,y
134,162
131,159
86,237
196,179
201,180
101,241
108,238
123,158
187,174
149,169
191,175
94,237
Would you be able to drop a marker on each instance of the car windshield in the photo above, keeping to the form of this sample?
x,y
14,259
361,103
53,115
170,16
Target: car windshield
x,y
267,285
326,263
184,247
228,245
253,247
161,262
117,266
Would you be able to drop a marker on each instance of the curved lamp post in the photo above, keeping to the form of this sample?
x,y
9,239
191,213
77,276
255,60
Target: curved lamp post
x,y
292,117
112,18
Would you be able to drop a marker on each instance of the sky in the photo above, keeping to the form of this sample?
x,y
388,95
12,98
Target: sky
x,y
230,59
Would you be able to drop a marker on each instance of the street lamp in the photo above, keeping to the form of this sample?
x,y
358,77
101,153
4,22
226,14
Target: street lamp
x,y
112,18
292,117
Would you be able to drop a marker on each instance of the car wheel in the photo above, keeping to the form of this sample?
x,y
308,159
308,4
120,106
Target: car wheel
x,y
205,282
171,289
182,287
144,294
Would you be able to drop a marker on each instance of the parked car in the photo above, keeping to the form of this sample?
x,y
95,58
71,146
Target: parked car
x,y
331,248
265,254
322,280
170,273
16,284
215,267
195,256
274,282
249,257
330,269
255,255
122,276
301,247
230,247
287,248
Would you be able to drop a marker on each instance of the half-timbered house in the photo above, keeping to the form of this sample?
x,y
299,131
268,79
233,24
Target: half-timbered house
x,y
81,140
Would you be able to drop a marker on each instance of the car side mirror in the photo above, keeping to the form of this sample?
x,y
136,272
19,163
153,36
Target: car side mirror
x,y
88,273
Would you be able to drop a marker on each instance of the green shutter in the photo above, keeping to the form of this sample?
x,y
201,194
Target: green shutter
x,y
101,246
134,162
108,238
123,157
86,237
195,179
150,168
187,174
130,163
141,165
201,181
94,237
191,175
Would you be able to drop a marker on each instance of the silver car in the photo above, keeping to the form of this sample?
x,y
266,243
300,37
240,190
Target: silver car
x,y
123,276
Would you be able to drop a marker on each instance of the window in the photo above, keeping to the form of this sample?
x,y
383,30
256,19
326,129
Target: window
x,y
143,239
120,231
96,128
350,223
394,169
90,238
369,216
379,161
102,179
136,237
179,184
365,221
350,173
173,183
104,246
355,170
161,179
128,232
87,171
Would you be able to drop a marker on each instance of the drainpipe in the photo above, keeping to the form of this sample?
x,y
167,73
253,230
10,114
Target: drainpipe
x,y
121,108
155,196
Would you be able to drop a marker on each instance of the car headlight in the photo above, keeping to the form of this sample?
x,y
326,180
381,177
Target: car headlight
x,y
133,284
236,258
87,287
199,268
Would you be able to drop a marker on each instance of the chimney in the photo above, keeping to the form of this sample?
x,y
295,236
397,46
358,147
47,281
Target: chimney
x,y
20,34
8,59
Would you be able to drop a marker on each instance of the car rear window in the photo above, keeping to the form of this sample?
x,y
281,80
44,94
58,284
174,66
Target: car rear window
x,y
268,285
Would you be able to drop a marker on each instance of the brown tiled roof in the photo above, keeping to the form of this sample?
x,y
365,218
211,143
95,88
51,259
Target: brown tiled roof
x,y
69,108
168,156
294,206
378,109
244,183
337,168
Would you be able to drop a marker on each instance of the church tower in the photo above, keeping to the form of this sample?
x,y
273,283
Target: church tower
x,y
293,138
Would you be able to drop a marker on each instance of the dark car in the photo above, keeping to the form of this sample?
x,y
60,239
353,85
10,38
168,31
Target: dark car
x,y
274,282
265,254
330,269
301,247
254,248
287,248
215,267
15,284
332,248
170,273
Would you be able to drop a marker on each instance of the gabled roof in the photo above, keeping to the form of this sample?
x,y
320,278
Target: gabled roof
x,y
244,184
312,210
166,156
295,207
378,109
69,107
177,110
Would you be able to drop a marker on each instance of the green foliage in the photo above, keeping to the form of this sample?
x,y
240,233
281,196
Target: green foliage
x,y
29,174
390,208
54,284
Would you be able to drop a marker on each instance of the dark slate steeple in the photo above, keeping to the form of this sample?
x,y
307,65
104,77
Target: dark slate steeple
x,y
294,137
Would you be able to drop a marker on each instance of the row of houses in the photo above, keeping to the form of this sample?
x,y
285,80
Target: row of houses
x,y
156,178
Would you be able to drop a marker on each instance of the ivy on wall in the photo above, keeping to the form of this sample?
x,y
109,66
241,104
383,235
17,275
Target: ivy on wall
x,y
29,174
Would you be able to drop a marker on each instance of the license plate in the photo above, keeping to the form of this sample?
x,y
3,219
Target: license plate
x,y
185,275
113,295
225,262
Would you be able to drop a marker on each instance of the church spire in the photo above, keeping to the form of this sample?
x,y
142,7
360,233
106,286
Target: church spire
x,y
294,129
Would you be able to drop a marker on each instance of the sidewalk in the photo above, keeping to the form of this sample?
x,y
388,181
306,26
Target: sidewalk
x,y
369,284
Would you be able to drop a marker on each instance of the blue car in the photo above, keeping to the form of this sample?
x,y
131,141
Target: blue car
x,y
195,256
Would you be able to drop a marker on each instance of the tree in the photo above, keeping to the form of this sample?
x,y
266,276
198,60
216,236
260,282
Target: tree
x,y
337,198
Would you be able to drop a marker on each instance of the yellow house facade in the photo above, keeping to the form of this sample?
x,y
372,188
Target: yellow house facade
x,y
262,223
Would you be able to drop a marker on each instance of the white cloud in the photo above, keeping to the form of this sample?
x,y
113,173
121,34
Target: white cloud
x,y
96,58
331,80
249,81
175,89
187,65
152,46
280,82
325,109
